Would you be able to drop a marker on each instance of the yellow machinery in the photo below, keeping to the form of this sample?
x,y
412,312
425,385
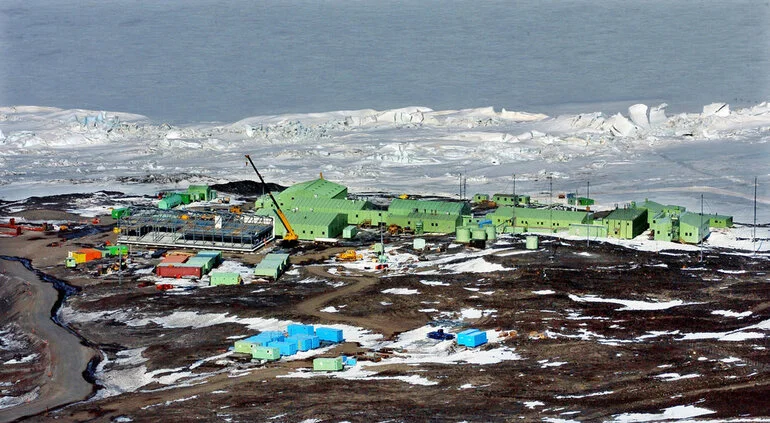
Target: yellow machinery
x,y
290,234
349,255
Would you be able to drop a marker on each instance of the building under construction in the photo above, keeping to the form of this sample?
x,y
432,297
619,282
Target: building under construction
x,y
218,230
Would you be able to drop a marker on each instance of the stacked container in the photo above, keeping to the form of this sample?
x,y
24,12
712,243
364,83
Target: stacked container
x,y
285,348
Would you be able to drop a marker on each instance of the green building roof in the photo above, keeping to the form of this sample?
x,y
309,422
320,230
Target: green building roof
x,y
694,219
317,188
626,214
403,207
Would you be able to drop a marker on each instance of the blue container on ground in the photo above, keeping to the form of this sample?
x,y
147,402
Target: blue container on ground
x,y
314,341
266,337
329,334
296,329
303,342
286,348
471,338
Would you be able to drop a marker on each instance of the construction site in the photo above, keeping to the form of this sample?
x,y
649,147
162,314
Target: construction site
x,y
312,304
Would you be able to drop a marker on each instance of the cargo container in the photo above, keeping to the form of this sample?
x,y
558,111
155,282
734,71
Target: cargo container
x,y
170,270
471,338
286,348
314,341
246,345
329,334
303,342
216,254
265,353
266,337
120,212
297,329
86,254
175,258
225,278
327,364
115,250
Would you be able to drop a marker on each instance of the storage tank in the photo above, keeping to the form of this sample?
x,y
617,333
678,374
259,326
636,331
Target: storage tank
x,y
531,242
479,234
491,232
463,235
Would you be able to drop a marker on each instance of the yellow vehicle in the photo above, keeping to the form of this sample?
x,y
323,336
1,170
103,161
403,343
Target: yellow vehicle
x,y
236,209
349,255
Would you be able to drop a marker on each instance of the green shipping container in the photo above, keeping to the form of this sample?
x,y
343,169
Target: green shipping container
x,y
327,364
225,278
115,250
244,346
265,353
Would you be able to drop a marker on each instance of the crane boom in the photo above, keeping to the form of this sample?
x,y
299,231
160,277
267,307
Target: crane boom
x,y
290,234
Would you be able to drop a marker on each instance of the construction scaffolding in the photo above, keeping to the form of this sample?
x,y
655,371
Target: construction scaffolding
x,y
218,230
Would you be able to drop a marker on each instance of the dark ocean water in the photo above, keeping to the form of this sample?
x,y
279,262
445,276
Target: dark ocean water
x,y
187,61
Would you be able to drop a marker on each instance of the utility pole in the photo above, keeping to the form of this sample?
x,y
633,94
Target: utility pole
x,y
754,229
514,185
550,201
700,228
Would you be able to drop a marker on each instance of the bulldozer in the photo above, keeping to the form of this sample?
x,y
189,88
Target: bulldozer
x,y
349,255
236,209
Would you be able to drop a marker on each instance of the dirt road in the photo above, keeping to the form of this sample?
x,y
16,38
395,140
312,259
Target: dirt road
x,y
386,325
66,357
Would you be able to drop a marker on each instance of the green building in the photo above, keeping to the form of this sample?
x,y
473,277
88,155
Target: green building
x,y
665,227
430,223
317,188
201,193
405,207
480,198
550,220
588,230
693,227
720,221
654,208
626,223
511,200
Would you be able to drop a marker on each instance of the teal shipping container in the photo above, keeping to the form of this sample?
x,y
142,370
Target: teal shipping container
x,y
327,364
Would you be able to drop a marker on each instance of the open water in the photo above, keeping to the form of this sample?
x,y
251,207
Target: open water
x,y
207,60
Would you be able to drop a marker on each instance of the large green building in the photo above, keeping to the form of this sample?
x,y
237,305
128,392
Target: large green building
x,y
693,227
404,207
626,223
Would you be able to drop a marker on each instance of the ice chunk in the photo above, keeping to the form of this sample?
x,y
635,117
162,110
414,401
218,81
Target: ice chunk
x,y
658,115
638,115
620,126
716,109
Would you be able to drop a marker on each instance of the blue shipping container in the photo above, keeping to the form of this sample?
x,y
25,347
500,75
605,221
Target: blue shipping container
x,y
286,348
314,341
329,334
303,343
295,329
269,336
471,338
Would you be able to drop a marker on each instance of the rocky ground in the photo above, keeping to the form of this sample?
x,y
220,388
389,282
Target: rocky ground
x,y
580,332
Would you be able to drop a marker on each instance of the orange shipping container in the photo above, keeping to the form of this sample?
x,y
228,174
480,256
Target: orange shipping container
x,y
90,254
175,258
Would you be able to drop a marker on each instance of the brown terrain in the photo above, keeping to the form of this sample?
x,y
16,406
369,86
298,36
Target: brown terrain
x,y
577,360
